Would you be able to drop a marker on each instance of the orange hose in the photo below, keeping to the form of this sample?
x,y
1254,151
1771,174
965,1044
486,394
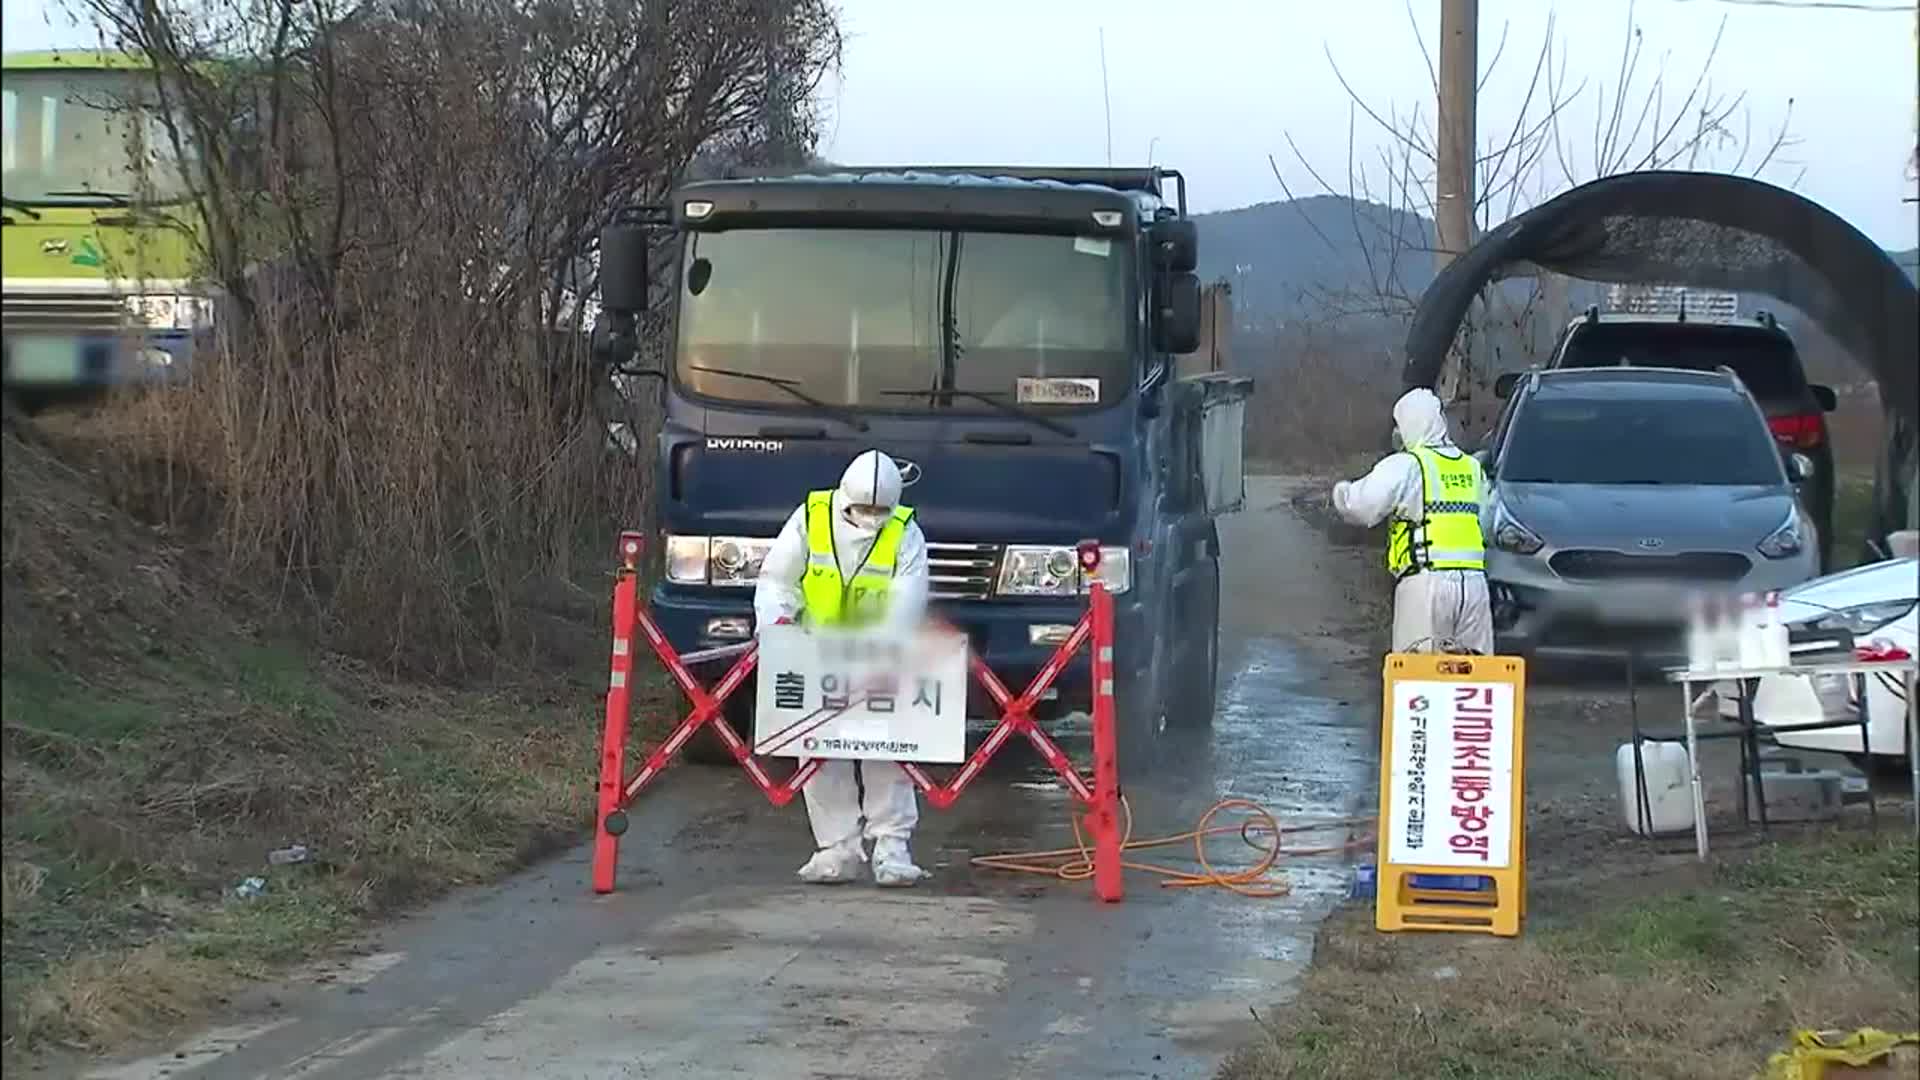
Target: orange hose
x,y
1257,881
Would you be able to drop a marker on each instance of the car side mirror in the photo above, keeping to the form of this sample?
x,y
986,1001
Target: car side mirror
x,y
1799,468
1177,314
1504,384
1828,400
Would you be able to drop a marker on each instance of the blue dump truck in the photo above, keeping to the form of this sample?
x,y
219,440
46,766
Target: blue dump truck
x,y
1014,339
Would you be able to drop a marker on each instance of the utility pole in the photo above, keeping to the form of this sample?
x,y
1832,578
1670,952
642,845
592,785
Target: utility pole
x,y
1459,78
1454,172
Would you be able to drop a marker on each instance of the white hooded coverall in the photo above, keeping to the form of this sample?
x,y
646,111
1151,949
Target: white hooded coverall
x,y
835,803
1433,610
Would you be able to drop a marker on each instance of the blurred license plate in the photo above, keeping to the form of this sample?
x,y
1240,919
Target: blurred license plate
x,y
1637,605
44,360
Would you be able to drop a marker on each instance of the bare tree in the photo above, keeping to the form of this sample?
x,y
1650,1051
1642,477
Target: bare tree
x,y
1640,119
399,200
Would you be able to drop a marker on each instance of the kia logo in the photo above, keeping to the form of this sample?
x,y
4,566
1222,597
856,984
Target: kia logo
x,y
909,472
1651,542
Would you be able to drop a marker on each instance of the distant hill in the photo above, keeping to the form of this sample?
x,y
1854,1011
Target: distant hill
x,y
1285,259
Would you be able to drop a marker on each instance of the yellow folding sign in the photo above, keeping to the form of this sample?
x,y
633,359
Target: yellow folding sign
x,y
1452,833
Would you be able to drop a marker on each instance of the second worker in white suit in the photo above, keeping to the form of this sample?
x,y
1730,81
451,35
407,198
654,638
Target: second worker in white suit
x,y
1429,494
853,556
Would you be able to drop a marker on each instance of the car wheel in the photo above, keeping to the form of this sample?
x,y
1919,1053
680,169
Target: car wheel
x,y
1196,684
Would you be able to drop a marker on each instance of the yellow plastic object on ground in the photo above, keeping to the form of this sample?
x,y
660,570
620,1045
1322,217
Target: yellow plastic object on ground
x,y
1813,1052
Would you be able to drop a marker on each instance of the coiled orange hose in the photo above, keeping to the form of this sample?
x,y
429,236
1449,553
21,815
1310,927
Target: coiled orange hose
x,y
1257,881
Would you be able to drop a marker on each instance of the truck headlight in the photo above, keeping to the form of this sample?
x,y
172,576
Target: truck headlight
x,y
171,311
715,560
1045,570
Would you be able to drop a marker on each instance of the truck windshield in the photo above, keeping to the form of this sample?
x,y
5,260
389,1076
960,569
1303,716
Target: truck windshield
x,y
862,317
85,137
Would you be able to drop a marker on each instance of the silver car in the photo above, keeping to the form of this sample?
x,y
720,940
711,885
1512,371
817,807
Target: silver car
x,y
1615,494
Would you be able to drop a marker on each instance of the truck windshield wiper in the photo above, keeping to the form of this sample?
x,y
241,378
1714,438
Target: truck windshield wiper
x,y
26,208
791,387
1006,407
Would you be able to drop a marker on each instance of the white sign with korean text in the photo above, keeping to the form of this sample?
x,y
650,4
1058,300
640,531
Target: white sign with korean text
x,y
1450,785
846,694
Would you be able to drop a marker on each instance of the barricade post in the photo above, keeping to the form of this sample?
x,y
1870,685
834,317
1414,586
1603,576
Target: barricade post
x,y
613,740
1101,799
1103,820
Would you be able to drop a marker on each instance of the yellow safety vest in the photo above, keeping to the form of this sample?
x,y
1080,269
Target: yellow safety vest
x,y
830,598
1449,536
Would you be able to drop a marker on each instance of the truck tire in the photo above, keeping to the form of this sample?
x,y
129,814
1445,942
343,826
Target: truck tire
x,y
1139,703
1196,681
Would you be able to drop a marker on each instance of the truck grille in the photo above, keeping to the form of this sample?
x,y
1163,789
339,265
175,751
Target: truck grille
x,y
1592,565
63,313
962,571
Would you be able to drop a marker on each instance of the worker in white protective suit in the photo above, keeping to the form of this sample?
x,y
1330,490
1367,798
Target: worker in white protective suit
x,y
1429,493
853,556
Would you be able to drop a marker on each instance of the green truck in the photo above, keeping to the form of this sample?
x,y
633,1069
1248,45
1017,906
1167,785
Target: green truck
x,y
101,232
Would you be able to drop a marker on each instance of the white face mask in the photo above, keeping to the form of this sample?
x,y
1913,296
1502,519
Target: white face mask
x,y
869,518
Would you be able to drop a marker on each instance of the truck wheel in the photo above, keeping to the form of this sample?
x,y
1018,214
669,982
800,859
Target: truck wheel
x,y
1139,707
1197,682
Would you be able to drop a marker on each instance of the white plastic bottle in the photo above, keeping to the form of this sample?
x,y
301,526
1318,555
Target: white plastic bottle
x,y
1752,635
1779,643
1703,652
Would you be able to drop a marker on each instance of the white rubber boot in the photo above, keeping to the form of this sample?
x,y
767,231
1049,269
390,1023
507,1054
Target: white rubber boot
x,y
835,865
893,864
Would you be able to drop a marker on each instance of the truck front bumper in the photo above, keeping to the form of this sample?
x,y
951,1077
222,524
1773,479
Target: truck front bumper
x,y
1015,638
94,360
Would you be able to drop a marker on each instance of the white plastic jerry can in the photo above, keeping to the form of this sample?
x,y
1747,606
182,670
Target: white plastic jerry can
x,y
1669,790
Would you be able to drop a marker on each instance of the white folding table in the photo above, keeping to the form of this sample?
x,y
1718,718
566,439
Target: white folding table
x,y
1749,681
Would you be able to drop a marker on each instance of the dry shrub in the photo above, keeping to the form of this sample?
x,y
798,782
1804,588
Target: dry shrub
x,y
1321,397
399,420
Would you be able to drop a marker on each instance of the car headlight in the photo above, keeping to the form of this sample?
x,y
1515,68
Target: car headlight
x,y
168,311
1785,540
1511,536
715,560
1045,570
1860,619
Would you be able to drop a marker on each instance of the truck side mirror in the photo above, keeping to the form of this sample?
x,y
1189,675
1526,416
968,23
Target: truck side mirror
x,y
623,268
1825,396
1177,314
1504,384
1176,245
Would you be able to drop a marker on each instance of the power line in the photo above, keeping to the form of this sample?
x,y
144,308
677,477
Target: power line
x,y
1818,5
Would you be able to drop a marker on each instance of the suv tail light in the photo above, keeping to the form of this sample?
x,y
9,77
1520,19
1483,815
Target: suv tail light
x,y
1801,431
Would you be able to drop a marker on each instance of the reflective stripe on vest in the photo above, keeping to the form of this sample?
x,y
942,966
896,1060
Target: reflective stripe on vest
x,y
1448,537
829,598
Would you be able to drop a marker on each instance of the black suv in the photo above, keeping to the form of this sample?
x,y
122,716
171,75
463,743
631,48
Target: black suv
x,y
1757,351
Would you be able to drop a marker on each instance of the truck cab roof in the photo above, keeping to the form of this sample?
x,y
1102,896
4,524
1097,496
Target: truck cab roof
x,y
962,196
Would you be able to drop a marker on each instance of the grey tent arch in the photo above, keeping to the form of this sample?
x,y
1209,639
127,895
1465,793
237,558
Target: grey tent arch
x,y
1710,230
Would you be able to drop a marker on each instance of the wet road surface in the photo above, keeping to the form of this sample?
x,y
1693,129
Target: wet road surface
x,y
711,961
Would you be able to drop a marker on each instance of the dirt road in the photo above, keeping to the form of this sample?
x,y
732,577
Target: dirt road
x,y
711,961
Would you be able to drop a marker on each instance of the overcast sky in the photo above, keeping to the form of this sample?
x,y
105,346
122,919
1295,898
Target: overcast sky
x,y
1216,91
